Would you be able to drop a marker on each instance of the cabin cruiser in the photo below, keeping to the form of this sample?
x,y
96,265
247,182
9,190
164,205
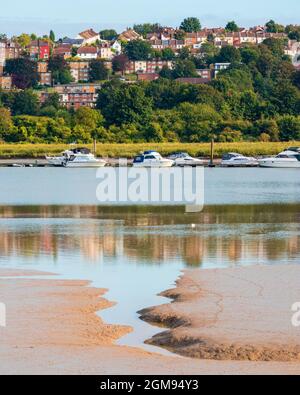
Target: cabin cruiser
x,y
184,159
77,157
233,159
152,159
290,158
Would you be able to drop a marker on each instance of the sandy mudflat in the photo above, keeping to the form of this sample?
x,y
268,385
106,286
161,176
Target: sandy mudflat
x,y
52,328
232,314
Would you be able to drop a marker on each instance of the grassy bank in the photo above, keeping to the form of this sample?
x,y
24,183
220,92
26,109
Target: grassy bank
x,y
129,150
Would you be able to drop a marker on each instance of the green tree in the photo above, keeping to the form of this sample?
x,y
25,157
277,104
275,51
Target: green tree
x,y
23,40
52,101
23,71
138,50
229,54
60,70
289,128
232,27
88,119
6,122
190,25
108,34
124,104
25,102
147,28
98,70
167,54
273,27
52,36
184,69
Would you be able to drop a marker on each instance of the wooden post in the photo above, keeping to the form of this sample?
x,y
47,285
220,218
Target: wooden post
x,y
95,147
212,146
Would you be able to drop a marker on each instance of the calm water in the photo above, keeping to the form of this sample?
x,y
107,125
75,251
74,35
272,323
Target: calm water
x,y
252,218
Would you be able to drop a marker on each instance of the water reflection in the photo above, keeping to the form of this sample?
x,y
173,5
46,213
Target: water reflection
x,y
216,237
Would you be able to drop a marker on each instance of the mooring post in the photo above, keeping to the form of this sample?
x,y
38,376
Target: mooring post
x,y
212,146
95,147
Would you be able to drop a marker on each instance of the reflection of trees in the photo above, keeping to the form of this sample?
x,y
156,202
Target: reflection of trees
x,y
156,237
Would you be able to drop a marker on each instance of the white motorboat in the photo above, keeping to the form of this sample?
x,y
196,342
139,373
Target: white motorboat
x,y
183,159
152,159
233,159
290,158
77,157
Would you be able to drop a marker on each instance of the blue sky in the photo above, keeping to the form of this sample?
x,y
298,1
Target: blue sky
x,y
67,17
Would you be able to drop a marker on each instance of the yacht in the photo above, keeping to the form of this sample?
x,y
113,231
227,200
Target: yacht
x,y
233,159
183,159
77,157
152,159
290,158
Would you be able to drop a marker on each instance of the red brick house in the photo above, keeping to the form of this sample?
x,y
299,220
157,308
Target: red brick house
x,y
39,49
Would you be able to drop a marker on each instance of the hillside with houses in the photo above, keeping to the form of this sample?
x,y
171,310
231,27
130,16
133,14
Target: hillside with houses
x,y
220,67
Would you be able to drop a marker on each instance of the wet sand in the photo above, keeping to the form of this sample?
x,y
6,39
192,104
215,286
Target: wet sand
x,y
239,314
52,328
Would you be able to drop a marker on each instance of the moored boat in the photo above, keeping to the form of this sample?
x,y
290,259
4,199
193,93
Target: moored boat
x,y
234,159
152,159
77,157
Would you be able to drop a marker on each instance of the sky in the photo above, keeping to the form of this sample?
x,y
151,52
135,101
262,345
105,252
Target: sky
x,y
68,17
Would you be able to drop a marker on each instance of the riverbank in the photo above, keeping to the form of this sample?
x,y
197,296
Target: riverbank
x,y
38,151
239,313
52,328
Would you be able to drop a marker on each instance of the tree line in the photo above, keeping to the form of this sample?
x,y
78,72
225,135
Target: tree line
x,y
256,98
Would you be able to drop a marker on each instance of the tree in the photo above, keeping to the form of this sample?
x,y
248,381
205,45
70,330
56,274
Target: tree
x,y
23,71
124,104
3,36
147,28
138,50
6,122
52,36
88,119
23,40
232,27
25,103
52,101
167,54
296,79
108,34
190,25
184,69
119,63
60,70
98,70
273,27
289,128
229,54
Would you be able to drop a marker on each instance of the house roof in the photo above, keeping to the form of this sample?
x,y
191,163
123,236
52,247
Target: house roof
x,y
129,34
72,41
88,34
87,50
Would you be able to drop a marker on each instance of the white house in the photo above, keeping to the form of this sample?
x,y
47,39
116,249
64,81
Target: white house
x,y
117,47
87,53
89,37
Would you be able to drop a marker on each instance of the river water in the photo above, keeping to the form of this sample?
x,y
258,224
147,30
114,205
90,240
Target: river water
x,y
49,222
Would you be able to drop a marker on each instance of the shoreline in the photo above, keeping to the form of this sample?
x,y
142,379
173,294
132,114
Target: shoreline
x,y
52,328
238,314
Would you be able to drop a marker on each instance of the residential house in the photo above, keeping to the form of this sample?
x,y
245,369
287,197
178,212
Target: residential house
x,y
64,50
105,51
5,82
77,95
89,37
116,47
220,67
12,50
2,56
45,76
129,35
87,53
147,67
80,70
205,74
293,50
39,49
